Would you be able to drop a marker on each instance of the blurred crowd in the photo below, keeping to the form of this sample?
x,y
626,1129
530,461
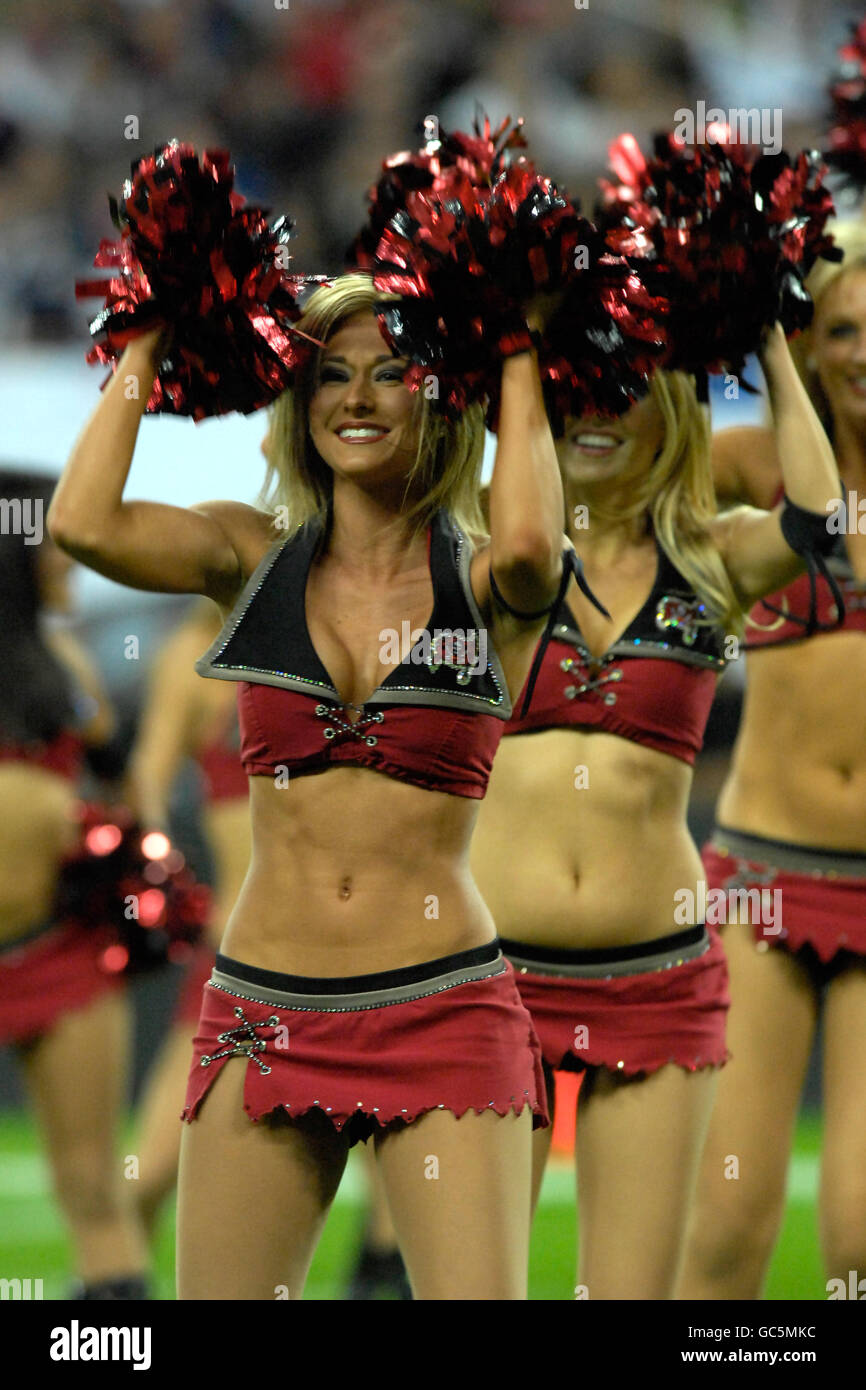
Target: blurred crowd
x,y
310,95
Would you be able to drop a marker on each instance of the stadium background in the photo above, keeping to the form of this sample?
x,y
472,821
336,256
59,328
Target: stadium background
x,y
308,97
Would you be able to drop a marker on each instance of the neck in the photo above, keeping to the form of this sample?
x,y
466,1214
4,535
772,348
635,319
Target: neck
x,y
601,528
370,531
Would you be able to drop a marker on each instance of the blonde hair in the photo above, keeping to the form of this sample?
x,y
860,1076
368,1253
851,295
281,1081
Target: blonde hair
x,y
677,493
851,236
447,468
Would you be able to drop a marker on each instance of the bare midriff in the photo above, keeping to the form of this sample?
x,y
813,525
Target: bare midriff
x,y
582,840
799,764
38,830
353,872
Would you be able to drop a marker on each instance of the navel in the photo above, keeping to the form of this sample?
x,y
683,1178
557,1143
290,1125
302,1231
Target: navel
x,y
345,889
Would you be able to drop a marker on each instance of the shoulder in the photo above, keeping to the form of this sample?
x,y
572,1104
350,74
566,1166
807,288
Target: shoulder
x,y
746,466
733,522
250,532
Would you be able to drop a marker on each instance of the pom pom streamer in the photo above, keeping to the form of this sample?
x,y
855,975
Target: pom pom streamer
x,y
469,251
847,134
134,881
463,265
726,234
480,157
193,256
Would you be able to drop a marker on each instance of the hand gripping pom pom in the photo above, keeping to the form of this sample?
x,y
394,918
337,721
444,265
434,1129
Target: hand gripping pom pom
x,y
847,133
726,234
467,256
137,883
195,257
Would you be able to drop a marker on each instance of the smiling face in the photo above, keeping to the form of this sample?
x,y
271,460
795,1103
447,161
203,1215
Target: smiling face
x,y
595,449
363,420
839,347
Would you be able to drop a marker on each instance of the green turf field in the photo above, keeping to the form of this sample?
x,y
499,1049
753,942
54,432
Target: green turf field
x,y
33,1243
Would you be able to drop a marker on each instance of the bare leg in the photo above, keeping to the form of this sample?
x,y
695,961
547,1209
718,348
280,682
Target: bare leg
x,y
843,1166
380,1228
459,1193
541,1140
741,1188
159,1125
379,1271
77,1075
252,1198
637,1160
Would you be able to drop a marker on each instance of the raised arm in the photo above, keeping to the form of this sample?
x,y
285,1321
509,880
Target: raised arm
x,y
746,467
525,499
146,545
756,554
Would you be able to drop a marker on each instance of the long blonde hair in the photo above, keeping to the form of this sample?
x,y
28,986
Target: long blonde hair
x,y
851,236
677,493
447,467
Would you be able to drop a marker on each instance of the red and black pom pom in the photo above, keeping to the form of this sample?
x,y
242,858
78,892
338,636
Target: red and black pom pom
x,y
847,133
480,157
464,235
726,234
195,257
136,882
465,261
605,340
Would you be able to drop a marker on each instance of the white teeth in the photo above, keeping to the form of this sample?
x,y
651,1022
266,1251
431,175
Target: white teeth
x,y
596,441
361,432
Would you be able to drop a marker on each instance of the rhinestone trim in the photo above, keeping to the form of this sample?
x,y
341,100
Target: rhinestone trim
x,y
358,1008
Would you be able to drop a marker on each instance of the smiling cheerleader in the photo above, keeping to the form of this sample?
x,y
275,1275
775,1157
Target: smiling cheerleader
x,y
792,820
360,989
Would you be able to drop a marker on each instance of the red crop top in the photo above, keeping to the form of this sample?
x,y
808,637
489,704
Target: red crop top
x,y
436,719
653,686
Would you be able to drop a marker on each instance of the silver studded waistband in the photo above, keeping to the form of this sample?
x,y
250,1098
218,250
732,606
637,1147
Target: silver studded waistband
x,y
605,969
781,854
350,1003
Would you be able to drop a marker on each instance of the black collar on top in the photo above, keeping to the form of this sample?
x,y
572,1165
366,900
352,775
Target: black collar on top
x,y
265,639
671,624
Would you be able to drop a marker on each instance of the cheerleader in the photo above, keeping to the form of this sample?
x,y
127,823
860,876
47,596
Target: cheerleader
x,y
66,1016
185,716
792,825
359,988
599,912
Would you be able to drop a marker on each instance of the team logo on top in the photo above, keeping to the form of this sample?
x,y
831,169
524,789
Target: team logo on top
x,y
686,615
